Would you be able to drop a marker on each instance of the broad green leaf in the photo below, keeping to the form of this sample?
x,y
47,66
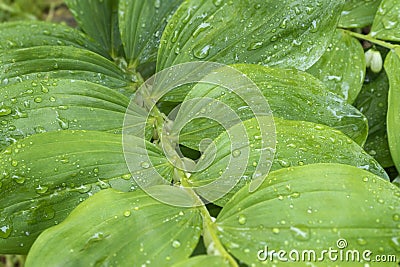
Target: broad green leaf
x,y
99,19
342,66
44,105
297,143
266,32
291,94
120,229
141,26
358,13
392,65
59,62
314,207
36,33
45,176
203,260
386,24
372,102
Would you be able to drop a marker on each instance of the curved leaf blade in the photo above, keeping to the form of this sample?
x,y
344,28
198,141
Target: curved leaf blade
x,y
358,14
120,229
266,32
59,62
386,24
24,34
298,143
373,103
99,19
342,66
141,26
45,176
392,65
291,94
45,105
295,207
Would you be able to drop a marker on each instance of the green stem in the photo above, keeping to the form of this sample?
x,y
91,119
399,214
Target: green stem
x,y
369,38
209,228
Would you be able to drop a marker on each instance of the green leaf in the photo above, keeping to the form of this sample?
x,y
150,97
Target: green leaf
x,y
24,34
59,62
386,24
266,32
297,143
203,260
373,102
120,229
99,19
358,13
45,176
45,105
291,94
141,26
342,66
392,65
312,207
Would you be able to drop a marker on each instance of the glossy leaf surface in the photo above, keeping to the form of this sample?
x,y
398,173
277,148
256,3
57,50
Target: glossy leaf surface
x,y
386,25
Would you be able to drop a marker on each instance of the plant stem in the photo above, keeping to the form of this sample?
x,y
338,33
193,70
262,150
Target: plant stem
x,y
369,38
209,230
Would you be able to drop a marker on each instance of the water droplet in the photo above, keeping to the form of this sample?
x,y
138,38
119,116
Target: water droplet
x,y
126,176
5,229
18,179
236,153
157,4
202,52
4,111
388,24
361,241
41,189
202,27
300,232
14,163
275,230
38,100
217,3
145,165
365,179
84,188
395,243
255,46
127,213
283,24
396,217
284,163
242,219
176,244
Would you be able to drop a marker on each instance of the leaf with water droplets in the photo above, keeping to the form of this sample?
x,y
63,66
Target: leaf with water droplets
x,y
291,94
274,33
203,260
335,206
44,105
298,143
45,176
392,66
59,62
342,66
98,232
386,24
358,13
141,25
373,102
37,33
99,19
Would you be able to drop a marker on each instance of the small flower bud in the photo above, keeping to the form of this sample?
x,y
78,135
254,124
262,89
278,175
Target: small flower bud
x,y
376,62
